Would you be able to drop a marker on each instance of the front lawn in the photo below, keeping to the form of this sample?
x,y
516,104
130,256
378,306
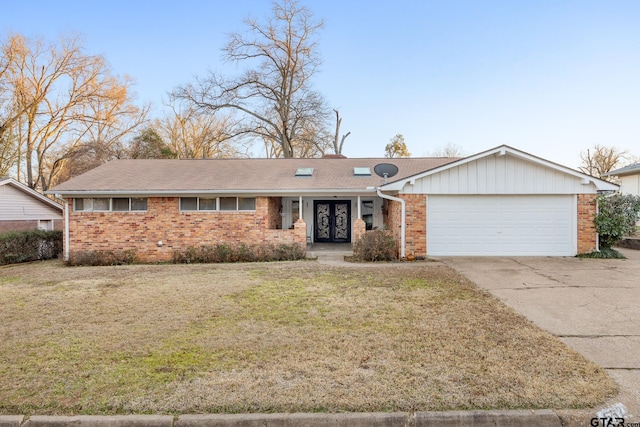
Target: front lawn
x,y
273,337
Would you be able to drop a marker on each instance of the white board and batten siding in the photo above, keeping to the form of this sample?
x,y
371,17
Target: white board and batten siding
x,y
501,206
499,175
16,205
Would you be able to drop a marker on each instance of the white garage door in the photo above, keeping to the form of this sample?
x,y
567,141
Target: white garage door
x,y
501,225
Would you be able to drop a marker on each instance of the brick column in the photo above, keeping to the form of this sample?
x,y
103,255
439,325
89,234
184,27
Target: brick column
x,y
359,228
587,240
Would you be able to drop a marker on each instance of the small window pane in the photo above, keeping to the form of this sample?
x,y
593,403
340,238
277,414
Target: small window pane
x,y
138,204
207,204
188,203
121,204
101,204
228,204
79,204
246,204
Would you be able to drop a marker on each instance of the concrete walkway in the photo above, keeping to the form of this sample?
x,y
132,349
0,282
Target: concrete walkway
x,y
591,305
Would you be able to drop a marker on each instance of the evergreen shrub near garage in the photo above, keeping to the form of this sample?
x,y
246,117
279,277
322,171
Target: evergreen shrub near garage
x,y
616,218
30,245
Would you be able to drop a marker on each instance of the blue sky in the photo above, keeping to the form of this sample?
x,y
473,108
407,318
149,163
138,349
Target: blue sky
x,y
552,78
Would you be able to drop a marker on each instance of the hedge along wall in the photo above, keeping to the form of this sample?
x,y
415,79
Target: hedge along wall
x,y
32,245
164,222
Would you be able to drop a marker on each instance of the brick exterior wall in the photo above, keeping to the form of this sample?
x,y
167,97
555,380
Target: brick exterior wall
x,y
164,222
18,225
416,228
587,236
24,225
275,217
359,228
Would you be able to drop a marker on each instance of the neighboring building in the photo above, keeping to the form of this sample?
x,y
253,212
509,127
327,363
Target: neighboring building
x,y
22,208
629,177
499,202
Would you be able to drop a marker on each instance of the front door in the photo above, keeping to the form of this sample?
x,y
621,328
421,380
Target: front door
x,y
332,221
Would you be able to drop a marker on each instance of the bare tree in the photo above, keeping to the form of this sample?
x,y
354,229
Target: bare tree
x,y
449,150
192,134
273,98
397,147
601,159
337,146
64,98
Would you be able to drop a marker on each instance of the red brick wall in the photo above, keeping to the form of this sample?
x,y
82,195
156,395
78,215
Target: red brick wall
x,y
164,222
416,232
275,217
23,225
18,225
359,228
587,240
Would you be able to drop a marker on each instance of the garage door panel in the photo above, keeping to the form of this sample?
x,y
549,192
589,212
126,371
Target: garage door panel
x,y
500,225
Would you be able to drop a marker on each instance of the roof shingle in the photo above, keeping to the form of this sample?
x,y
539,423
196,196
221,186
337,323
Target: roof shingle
x,y
259,175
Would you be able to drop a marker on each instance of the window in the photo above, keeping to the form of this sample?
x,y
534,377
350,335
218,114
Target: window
x,y
101,205
105,204
304,172
207,204
120,205
362,171
45,224
367,213
82,204
228,203
246,203
188,203
138,204
295,211
215,203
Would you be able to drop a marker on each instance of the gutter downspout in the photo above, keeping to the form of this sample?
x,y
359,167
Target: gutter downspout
x,y
66,229
404,218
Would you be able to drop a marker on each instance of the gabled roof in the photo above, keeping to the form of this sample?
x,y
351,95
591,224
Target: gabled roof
x,y
627,170
600,184
219,176
31,192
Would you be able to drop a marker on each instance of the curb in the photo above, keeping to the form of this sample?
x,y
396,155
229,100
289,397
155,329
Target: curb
x,y
541,418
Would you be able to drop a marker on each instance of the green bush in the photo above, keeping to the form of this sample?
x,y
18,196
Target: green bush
x,y
102,258
606,253
616,217
376,245
31,245
224,252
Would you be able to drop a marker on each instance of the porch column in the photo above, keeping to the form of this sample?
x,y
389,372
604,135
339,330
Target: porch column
x,y
300,207
359,208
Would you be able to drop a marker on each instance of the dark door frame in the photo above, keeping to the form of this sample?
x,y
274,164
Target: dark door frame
x,y
332,223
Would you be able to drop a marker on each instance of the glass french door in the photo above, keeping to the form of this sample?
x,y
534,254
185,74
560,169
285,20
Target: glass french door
x,y
332,221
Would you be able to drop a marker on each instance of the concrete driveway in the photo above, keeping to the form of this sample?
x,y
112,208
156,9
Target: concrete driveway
x,y
591,305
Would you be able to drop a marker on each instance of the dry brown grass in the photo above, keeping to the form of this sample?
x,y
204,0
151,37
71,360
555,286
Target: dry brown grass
x,y
281,337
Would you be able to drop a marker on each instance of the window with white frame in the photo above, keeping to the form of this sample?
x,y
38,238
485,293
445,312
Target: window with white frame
x,y
108,204
188,204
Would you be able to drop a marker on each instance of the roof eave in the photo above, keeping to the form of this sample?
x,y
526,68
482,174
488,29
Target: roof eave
x,y
179,193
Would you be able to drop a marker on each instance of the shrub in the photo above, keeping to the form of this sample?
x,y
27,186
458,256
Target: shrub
x,y
102,258
376,245
31,245
616,217
224,252
606,253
